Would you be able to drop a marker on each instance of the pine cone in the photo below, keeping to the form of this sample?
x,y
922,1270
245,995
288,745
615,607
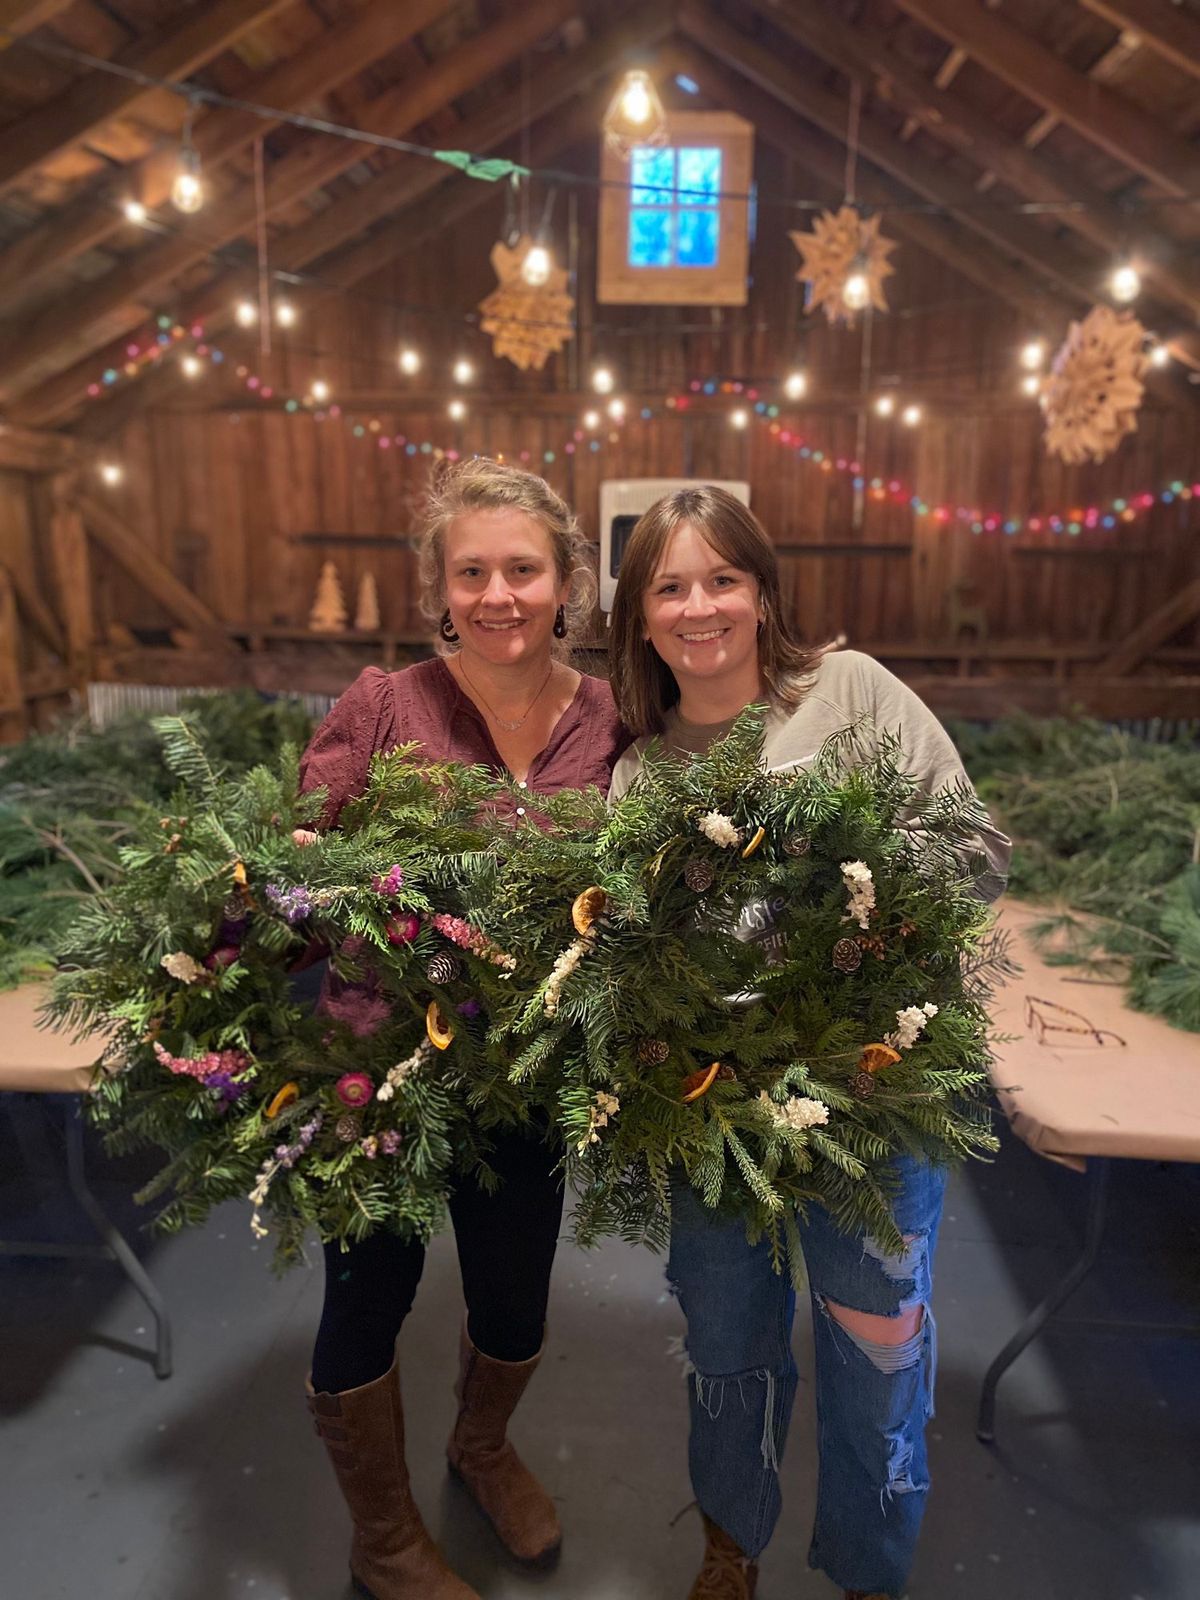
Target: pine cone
x,y
699,875
847,955
862,1085
348,1128
653,1052
442,969
797,844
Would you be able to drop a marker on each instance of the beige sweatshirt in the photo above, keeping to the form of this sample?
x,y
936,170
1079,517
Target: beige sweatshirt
x,y
844,687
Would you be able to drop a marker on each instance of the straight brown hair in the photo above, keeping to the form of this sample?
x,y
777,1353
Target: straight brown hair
x,y
643,684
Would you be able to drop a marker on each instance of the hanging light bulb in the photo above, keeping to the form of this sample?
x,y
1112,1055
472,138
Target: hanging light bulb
x,y
457,409
463,370
795,385
537,265
616,410
1031,384
134,211
187,190
285,314
191,366
1033,354
910,416
319,391
634,116
1159,356
111,473
885,405
856,291
739,418
246,313
603,380
591,419
410,361
1125,283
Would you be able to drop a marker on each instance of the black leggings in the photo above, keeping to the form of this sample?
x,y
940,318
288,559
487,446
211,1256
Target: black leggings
x,y
506,1243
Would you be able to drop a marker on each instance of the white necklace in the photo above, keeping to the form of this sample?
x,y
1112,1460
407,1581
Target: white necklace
x,y
503,722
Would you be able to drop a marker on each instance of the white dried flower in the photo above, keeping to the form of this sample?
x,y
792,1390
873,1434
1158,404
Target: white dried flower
x,y
182,966
860,886
910,1024
603,1106
561,971
403,1069
716,826
797,1113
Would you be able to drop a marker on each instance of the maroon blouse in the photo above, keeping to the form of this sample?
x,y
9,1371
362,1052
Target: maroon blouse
x,y
424,702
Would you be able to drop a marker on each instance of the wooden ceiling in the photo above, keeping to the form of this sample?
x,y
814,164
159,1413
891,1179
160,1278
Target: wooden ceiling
x,y
968,107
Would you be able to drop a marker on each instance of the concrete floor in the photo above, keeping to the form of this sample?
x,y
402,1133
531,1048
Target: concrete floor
x,y
210,1486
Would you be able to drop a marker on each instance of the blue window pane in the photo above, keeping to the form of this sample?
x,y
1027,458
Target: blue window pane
x,y
652,174
699,177
699,235
649,238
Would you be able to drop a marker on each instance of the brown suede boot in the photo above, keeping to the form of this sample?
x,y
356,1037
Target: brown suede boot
x,y
392,1556
480,1455
726,1574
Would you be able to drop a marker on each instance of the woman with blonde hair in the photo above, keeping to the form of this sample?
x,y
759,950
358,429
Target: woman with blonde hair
x,y
503,572
699,634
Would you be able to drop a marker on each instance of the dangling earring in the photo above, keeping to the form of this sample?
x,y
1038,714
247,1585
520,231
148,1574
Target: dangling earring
x,y
447,629
560,624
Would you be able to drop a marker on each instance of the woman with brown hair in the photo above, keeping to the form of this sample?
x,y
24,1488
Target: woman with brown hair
x,y
503,573
698,634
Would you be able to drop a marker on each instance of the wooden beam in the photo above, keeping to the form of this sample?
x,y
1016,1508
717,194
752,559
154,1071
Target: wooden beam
x,y
952,118
1110,121
1112,699
73,571
1165,28
13,716
1056,260
219,134
81,108
793,136
26,450
134,556
313,162
18,17
1176,613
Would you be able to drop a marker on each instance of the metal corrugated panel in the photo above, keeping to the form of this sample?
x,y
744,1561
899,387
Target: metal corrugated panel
x,y
107,702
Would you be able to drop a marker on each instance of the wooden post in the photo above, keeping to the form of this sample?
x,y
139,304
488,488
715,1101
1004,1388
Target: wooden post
x,y
14,717
73,574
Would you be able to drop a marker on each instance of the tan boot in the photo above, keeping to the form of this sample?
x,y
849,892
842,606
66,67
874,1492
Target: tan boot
x,y
480,1455
392,1556
726,1573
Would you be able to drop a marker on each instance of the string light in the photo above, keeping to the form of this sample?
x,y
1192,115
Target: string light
x,y
616,410
111,473
187,190
795,385
603,380
410,361
1031,384
1033,354
457,409
1125,283
591,419
463,370
910,416
134,211
634,115
319,391
1159,356
739,418
885,405
856,291
191,366
535,269
285,314
246,313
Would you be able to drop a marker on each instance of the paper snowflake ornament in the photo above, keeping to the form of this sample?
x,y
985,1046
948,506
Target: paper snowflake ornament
x,y
845,262
528,320
1094,388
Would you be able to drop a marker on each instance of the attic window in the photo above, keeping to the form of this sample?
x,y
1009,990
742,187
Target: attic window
x,y
671,230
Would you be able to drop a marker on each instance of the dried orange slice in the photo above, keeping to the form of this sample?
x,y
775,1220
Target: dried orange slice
x,y
698,1083
439,1030
877,1056
282,1099
588,907
756,839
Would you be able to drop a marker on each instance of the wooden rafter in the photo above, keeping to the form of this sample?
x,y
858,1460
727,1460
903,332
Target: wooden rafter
x,y
219,134
1058,262
1102,115
1176,613
793,136
949,116
1171,32
396,187
312,163
23,16
81,108
26,450
134,556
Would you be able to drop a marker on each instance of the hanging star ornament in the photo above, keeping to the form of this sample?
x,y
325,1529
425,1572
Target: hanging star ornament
x,y
528,321
845,263
1093,391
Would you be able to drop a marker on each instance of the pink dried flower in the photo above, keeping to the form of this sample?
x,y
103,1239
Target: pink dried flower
x,y
390,1142
392,883
354,1089
369,1146
466,937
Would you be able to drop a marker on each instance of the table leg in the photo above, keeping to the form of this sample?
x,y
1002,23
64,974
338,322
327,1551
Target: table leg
x,y
1036,1320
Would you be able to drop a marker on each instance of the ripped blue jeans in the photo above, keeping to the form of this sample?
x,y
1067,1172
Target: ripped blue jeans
x,y
873,1400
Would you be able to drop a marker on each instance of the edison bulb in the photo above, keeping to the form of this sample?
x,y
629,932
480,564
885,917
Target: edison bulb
x,y
111,472
410,361
635,102
738,418
616,410
319,390
457,410
910,416
134,211
1033,354
603,380
856,291
591,419
285,314
795,385
191,366
187,191
246,313
463,371
1126,283
885,405
535,269
1031,383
